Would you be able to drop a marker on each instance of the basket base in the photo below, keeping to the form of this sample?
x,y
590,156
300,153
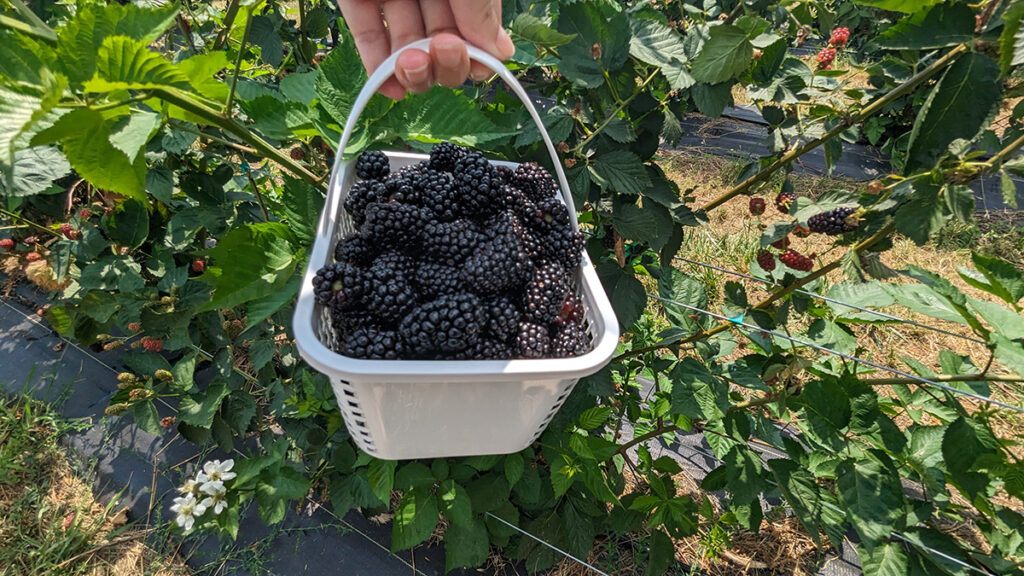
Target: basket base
x,y
410,420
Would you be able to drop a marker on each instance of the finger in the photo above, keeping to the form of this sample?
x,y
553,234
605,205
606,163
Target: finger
x,y
405,25
413,70
451,62
479,23
367,26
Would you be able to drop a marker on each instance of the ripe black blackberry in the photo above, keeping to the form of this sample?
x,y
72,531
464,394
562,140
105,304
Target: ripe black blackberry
x,y
506,174
766,260
572,310
570,340
833,222
372,165
392,261
355,250
545,294
391,295
514,200
400,185
796,261
549,215
340,286
361,195
447,324
784,201
444,155
437,192
433,280
479,184
532,340
450,243
486,349
503,313
394,224
372,344
498,264
608,240
344,321
528,240
563,245
534,181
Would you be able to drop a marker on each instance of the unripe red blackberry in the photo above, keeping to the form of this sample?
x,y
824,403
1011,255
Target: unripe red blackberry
x,y
840,36
757,206
297,153
6,243
781,243
152,344
69,231
796,261
31,240
784,201
766,260
825,57
134,326
85,213
32,256
198,266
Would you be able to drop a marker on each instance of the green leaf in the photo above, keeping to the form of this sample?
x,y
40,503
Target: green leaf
x,y
128,225
252,261
626,293
198,409
801,493
33,170
340,76
201,69
85,137
696,392
441,114
600,24
656,44
301,205
263,33
742,473
677,286
726,53
968,445
262,308
126,64
593,417
1010,353
287,483
381,474
1011,41
826,404
662,555
415,519
958,107
23,59
830,335
1004,278
873,498
130,134
533,29
939,26
907,6
455,503
923,300
887,559
146,417
466,546
711,100
620,170
1004,321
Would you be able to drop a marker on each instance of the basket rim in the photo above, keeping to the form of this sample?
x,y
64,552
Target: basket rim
x,y
330,362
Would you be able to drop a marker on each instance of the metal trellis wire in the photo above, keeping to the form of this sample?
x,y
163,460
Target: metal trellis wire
x,y
859,360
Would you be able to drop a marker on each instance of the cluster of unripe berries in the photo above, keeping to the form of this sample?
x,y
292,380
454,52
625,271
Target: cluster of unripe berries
x,y
838,39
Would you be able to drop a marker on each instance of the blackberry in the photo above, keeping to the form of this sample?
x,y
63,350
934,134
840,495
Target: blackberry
x,y
565,246
433,280
781,243
502,317
444,155
766,260
572,309
372,344
796,261
506,174
833,222
391,296
394,262
479,184
532,340
549,215
757,206
545,294
394,224
400,186
498,264
372,165
528,240
534,181
514,200
355,250
569,341
345,321
608,240
340,286
361,195
447,324
784,201
436,191
450,243
486,349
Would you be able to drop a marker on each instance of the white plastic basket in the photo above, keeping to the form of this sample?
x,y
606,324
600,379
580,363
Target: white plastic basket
x,y
402,409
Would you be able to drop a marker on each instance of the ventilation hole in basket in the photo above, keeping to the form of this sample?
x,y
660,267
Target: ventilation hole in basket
x,y
353,404
349,392
361,423
357,414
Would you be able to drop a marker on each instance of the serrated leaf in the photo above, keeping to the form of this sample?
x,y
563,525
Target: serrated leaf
x,y
726,53
263,33
1010,353
198,409
381,475
533,29
957,107
696,393
907,6
656,44
965,442
888,559
440,114
33,171
873,498
128,225
466,546
23,59
601,41
662,554
1011,40
130,134
626,293
939,26
922,215
711,100
620,170
801,492
828,334
514,467
593,417
1004,278
301,204
126,64
677,286
250,262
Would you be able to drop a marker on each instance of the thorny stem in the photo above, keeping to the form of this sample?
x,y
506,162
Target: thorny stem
x,y
238,65
615,113
1006,152
645,437
864,114
723,326
943,378
184,101
753,402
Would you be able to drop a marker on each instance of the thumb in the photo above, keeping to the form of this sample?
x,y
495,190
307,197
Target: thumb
x,y
479,22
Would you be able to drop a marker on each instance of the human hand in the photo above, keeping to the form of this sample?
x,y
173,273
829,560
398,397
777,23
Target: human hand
x,y
448,23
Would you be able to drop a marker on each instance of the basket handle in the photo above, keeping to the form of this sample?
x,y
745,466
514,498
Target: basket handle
x,y
387,69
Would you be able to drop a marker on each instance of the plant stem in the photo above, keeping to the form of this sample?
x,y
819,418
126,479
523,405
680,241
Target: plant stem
x,y
238,65
1006,152
761,401
864,114
214,118
615,113
645,437
943,378
10,214
723,326
259,195
229,20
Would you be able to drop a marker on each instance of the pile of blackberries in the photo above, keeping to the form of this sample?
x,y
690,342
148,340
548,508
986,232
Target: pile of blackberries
x,y
455,259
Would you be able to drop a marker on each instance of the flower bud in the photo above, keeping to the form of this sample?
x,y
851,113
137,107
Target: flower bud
x,y
163,375
115,409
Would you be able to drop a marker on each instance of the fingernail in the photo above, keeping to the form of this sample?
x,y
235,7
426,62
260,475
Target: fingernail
x,y
480,75
504,44
449,56
418,75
